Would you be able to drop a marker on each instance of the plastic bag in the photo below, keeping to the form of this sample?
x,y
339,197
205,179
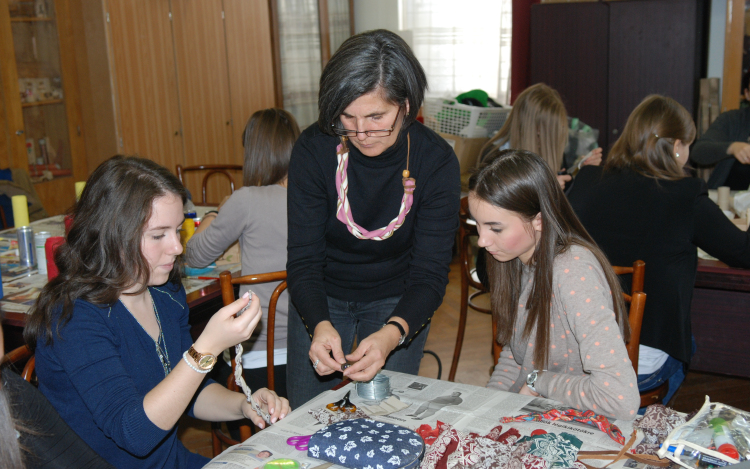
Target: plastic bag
x,y
718,435
581,140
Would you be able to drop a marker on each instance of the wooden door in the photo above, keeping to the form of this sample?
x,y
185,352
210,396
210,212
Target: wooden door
x,y
569,52
250,64
201,53
145,80
654,47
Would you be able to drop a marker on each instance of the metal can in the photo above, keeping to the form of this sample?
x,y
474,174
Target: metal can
x,y
40,239
26,256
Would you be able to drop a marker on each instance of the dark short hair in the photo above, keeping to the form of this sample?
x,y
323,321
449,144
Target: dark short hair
x,y
268,140
745,81
102,255
373,60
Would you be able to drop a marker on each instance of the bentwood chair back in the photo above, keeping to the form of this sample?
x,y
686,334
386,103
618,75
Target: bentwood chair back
x,y
21,356
210,169
635,319
466,231
227,293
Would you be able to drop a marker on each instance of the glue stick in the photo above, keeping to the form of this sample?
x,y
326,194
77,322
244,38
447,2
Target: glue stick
x,y
722,440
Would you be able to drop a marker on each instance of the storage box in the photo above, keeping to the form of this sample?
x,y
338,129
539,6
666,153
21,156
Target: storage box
x,y
448,116
467,150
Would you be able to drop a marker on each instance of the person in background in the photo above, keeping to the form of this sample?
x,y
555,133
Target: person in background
x,y
373,211
557,301
113,349
641,206
538,123
725,145
256,215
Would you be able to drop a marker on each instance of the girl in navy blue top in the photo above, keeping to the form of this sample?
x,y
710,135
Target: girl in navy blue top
x,y
114,353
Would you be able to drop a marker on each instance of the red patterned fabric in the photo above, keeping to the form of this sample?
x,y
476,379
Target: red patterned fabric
x,y
588,417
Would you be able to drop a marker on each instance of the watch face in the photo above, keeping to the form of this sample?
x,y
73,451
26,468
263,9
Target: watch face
x,y
207,361
531,378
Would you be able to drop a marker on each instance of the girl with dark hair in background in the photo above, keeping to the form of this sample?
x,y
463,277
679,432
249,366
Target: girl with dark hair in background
x,y
256,215
641,206
558,303
114,353
373,210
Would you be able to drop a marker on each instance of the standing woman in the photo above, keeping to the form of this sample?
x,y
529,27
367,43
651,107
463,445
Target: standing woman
x,y
114,353
256,215
641,205
558,303
373,210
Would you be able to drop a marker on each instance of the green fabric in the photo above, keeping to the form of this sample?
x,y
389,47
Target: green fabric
x,y
479,95
558,450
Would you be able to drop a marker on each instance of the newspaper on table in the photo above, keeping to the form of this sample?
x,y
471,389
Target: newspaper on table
x,y
467,408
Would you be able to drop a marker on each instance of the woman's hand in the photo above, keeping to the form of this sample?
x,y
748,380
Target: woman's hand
x,y
277,407
563,178
370,355
224,330
741,151
594,158
526,390
326,340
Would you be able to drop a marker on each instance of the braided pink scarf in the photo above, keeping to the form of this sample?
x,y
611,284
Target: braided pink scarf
x,y
343,210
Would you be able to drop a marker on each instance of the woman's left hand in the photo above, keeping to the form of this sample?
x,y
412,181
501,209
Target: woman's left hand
x,y
370,355
526,390
277,407
594,158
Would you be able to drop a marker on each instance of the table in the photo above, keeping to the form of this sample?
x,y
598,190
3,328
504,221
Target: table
x,y
477,409
203,298
720,314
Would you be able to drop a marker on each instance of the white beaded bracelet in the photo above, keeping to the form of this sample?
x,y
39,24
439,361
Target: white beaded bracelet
x,y
185,356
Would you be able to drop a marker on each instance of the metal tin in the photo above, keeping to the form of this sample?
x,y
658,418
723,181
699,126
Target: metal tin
x,y
40,239
26,256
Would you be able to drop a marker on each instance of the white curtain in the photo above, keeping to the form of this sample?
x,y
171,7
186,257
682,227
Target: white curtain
x,y
338,22
299,33
461,45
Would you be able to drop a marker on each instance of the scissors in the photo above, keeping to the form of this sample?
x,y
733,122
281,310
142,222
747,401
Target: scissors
x,y
344,405
299,442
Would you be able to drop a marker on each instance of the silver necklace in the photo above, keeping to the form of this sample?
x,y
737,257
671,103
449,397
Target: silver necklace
x,y
159,342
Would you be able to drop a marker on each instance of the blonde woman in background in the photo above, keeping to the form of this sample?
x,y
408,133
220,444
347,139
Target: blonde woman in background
x,y
538,123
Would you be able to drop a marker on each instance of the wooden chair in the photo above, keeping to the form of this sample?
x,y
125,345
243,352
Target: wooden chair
x,y
468,229
227,293
635,319
210,169
21,356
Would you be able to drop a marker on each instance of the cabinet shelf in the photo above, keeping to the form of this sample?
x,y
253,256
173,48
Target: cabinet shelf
x,y
30,19
42,103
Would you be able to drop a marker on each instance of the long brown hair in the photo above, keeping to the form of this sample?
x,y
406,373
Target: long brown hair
x,y
537,123
646,145
102,256
523,183
268,140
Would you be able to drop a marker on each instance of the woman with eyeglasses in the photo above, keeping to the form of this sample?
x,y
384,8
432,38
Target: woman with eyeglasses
x,y
372,212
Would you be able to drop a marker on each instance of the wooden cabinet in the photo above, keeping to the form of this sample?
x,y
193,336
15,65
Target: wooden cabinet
x,y
40,119
605,57
183,77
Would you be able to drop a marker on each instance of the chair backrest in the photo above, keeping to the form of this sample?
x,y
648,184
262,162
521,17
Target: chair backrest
x,y
637,301
638,270
18,356
467,229
210,169
227,294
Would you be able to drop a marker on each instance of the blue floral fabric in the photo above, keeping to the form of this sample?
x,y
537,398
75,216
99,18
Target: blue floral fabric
x,y
367,444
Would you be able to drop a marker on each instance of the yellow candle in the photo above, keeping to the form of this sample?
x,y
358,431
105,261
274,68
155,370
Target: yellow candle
x,y
188,229
20,210
79,189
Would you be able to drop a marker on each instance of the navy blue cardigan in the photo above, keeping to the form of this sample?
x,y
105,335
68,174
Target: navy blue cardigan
x,y
98,371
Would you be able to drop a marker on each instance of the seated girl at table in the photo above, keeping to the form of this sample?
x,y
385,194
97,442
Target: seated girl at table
x,y
256,215
561,317
538,123
114,353
641,205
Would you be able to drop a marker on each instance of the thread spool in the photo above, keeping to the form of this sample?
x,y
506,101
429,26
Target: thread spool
x,y
724,198
377,389
80,185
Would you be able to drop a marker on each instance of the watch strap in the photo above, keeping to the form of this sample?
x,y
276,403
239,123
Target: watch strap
x,y
198,357
400,329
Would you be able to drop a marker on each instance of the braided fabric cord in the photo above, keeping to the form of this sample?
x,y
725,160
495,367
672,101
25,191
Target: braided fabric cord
x,y
343,210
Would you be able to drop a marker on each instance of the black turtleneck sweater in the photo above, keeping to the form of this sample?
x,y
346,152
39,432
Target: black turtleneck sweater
x,y
325,259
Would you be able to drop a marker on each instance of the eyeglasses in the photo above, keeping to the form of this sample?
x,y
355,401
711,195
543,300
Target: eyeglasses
x,y
369,133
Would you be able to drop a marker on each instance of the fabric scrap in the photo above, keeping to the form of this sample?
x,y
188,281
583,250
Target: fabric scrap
x,y
588,417
327,417
656,424
560,451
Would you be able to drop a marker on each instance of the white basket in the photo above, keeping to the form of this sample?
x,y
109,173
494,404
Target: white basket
x,y
448,116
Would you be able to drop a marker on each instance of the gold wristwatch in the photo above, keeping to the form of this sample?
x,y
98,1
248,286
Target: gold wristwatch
x,y
205,361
